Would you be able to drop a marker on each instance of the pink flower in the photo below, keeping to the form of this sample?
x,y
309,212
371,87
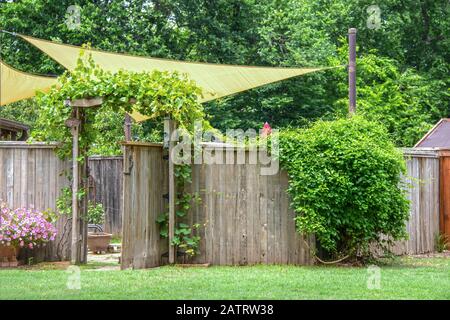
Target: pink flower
x,y
266,130
24,227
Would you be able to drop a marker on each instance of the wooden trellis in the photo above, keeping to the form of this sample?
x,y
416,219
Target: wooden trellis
x,y
79,178
80,175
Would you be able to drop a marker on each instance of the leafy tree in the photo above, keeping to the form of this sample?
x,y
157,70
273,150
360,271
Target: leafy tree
x,y
412,35
406,102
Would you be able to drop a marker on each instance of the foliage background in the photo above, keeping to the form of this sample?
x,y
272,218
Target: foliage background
x,y
403,67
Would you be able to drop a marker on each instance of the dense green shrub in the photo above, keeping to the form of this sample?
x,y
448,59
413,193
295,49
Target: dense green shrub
x,y
345,184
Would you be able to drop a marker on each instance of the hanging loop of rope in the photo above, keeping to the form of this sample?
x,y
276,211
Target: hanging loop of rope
x,y
320,260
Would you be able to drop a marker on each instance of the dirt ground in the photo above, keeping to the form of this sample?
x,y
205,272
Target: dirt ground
x,y
110,261
96,262
444,254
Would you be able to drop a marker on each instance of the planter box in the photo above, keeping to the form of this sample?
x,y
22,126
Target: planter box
x,y
98,241
8,256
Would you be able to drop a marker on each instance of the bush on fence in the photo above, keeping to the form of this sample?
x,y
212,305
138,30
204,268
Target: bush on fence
x,y
345,184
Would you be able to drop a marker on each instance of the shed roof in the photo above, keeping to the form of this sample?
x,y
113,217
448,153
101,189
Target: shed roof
x,y
12,125
437,137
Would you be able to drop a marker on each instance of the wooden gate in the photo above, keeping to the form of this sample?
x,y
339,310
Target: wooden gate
x,y
106,180
145,177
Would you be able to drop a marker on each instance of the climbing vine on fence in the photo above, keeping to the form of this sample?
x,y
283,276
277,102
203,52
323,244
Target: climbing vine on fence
x,y
186,237
155,94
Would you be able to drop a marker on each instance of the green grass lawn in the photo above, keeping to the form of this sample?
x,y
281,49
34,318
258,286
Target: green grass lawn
x,y
406,278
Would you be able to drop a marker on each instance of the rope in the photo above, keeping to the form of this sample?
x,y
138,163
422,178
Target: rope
x,y
320,260
9,32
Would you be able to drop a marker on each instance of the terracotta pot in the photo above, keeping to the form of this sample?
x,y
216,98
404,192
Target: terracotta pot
x,y
98,241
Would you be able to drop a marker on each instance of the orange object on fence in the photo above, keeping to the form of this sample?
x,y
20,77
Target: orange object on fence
x,y
445,194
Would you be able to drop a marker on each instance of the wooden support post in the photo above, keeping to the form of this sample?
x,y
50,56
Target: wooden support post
x,y
169,128
74,124
84,175
127,127
352,70
79,224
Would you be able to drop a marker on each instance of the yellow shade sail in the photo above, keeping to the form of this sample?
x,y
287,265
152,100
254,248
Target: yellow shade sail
x,y
16,85
215,80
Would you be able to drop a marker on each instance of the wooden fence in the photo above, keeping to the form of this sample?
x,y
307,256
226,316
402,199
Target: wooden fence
x,y
423,175
245,216
444,221
106,188
31,175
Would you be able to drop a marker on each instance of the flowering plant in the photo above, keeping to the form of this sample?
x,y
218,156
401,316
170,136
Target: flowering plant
x,y
25,227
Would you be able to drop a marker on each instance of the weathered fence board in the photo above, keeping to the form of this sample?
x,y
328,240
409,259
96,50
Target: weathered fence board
x,y
106,178
423,175
245,217
145,183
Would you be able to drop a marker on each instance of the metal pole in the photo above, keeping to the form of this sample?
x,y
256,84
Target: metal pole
x,y
352,70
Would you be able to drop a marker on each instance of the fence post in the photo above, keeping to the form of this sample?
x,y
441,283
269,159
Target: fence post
x,y
169,128
352,70
79,229
74,124
84,176
127,127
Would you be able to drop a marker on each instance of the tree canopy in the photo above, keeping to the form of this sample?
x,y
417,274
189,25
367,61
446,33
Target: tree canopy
x,y
403,65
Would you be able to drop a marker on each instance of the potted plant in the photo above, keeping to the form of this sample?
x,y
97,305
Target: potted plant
x,y
23,227
97,241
